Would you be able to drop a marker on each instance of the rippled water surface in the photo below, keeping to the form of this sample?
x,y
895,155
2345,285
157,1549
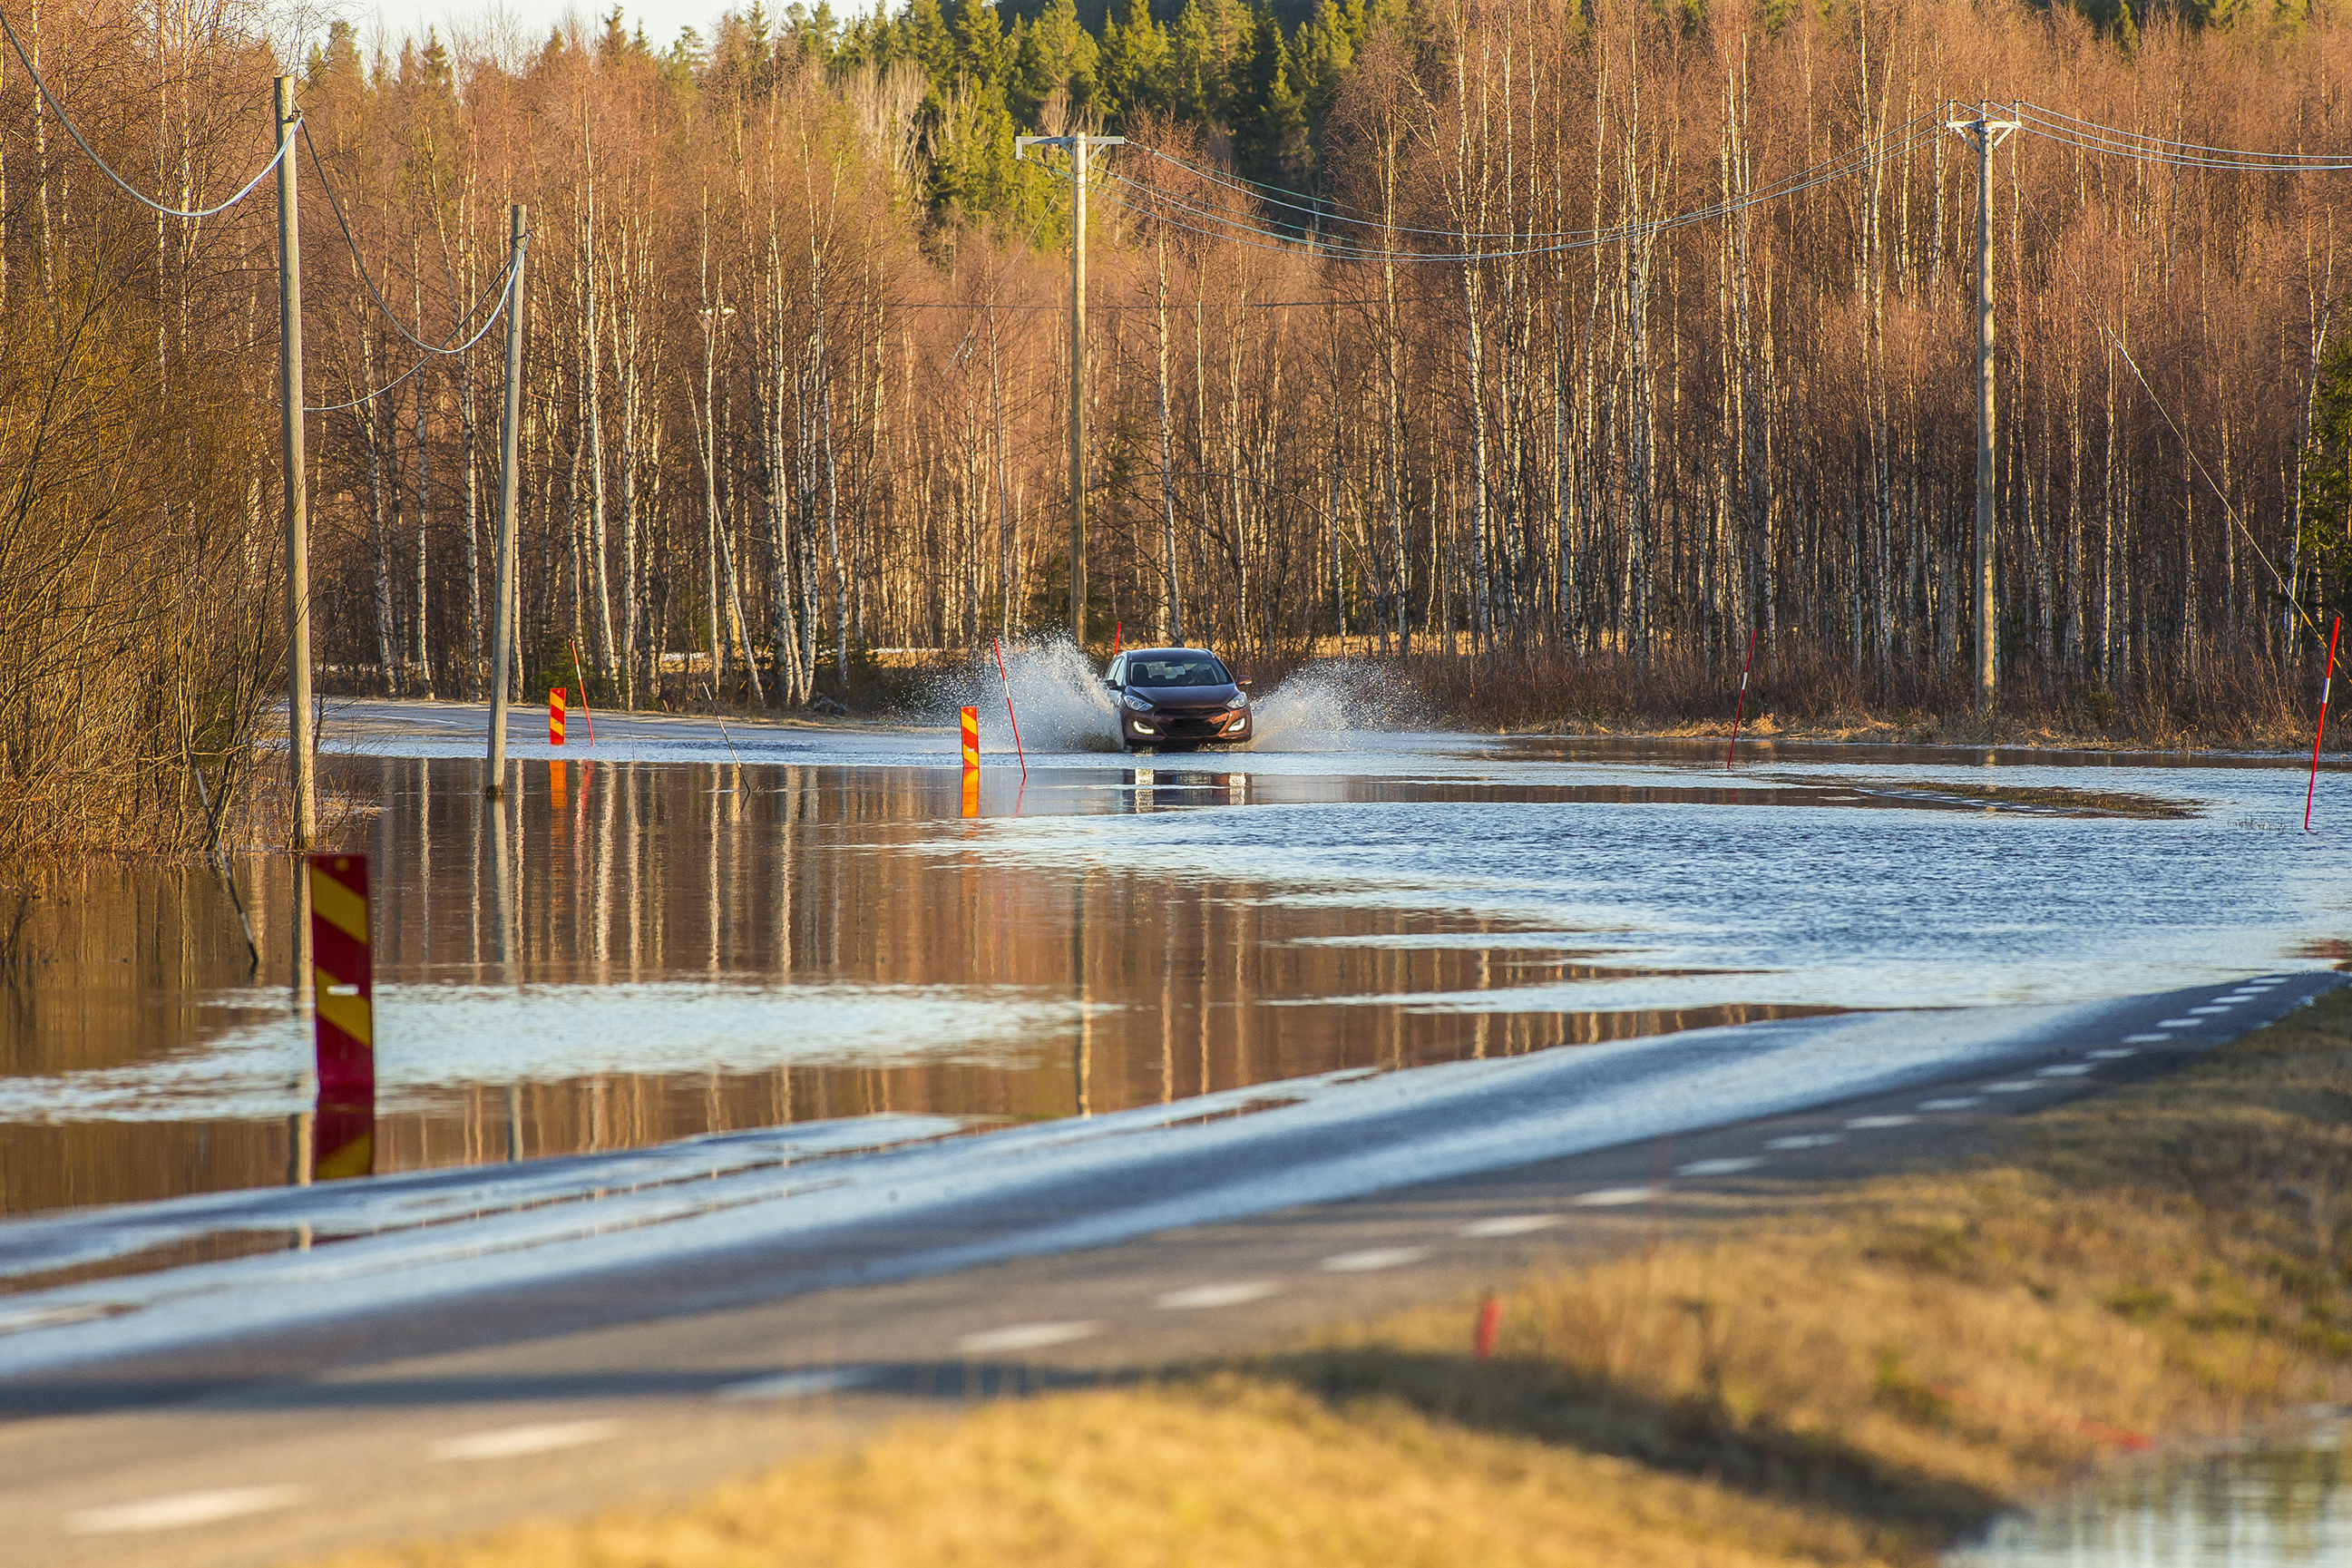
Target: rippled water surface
x,y
684,931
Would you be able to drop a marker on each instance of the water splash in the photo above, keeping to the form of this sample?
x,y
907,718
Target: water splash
x,y
1057,694
1318,707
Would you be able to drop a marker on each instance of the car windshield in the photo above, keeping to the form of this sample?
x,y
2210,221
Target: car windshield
x,y
1176,670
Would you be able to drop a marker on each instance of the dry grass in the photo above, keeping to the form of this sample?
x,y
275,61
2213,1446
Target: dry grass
x,y
1857,1383
2236,698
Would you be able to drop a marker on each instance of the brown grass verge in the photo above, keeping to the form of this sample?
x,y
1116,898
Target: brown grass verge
x,y
2234,698
1856,1380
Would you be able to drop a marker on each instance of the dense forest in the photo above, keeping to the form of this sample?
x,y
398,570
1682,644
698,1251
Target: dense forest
x,y
1489,328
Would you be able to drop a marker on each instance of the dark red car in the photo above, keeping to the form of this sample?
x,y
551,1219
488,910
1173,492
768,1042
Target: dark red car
x,y
1173,699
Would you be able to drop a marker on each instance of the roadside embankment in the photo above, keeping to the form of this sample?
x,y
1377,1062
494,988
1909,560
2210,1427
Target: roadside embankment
x,y
1863,1375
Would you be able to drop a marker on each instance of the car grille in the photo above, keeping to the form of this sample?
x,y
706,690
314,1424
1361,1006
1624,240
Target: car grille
x,y
1197,722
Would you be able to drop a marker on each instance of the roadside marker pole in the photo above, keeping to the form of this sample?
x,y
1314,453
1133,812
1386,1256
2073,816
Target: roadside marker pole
x,y
586,713
1006,682
1116,628
1490,1327
342,972
555,716
1741,711
970,723
2328,680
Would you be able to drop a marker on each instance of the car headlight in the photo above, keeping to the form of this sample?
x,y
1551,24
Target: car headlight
x,y
1135,702
1241,700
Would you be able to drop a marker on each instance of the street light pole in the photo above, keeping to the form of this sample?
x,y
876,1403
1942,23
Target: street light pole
x,y
1984,134
1077,145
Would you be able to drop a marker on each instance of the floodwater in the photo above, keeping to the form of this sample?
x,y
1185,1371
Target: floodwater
x,y
2285,1501
684,931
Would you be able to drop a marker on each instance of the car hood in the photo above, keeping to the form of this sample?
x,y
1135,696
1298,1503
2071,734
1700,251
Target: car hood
x,y
1186,696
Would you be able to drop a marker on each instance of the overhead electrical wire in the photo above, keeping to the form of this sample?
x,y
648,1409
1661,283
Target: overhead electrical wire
x,y
2144,147
1325,209
128,189
360,265
1237,229
506,290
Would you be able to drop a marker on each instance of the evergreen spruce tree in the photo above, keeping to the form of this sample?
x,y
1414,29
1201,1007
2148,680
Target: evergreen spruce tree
x,y
1131,74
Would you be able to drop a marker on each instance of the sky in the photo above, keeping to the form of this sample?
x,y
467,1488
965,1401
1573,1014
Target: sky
x,y
533,18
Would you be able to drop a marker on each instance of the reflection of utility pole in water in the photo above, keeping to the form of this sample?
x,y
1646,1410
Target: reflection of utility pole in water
x,y
1085,1063
297,1125
503,946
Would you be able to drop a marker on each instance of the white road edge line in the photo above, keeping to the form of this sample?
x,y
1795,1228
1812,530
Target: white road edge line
x,y
178,1510
1024,1336
1201,1298
521,1442
1372,1258
1507,1225
798,1385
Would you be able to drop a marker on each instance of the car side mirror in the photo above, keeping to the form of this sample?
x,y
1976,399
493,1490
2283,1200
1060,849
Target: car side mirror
x,y
1245,685
1114,686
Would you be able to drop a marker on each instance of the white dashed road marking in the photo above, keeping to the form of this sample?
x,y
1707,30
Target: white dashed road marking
x,y
1507,1225
2145,1038
1201,1297
2064,1070
2210,1012
1024,1336
1805,1141
520,1442
1611,1197
2113,1053
2013,1086
1720,1167
178,1510
1870,1124
1958,1103
800,1384
2178,1023
1372,1257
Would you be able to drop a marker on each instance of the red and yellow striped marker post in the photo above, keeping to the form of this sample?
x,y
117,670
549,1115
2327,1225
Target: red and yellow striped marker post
x,y
972,762
342,977
555,716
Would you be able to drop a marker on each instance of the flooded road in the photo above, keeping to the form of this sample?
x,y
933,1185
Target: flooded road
x,y
709,932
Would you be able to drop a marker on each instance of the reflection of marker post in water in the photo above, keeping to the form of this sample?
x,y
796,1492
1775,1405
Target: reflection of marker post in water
x,y
343,980
1741,711
2326,680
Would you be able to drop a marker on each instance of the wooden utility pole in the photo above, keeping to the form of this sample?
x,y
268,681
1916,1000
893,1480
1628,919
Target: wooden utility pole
x,y
298,506
1077,145
1984,134
509,438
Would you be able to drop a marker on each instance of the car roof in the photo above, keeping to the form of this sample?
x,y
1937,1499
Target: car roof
x,y
1151,653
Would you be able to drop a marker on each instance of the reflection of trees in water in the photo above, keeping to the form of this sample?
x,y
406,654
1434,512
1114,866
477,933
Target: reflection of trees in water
x,y
708,872
2268,1505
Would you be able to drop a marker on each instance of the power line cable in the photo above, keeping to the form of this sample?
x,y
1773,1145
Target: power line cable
x,y
1236,228
360,262
1321,209
107,169
2095,137
508,271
